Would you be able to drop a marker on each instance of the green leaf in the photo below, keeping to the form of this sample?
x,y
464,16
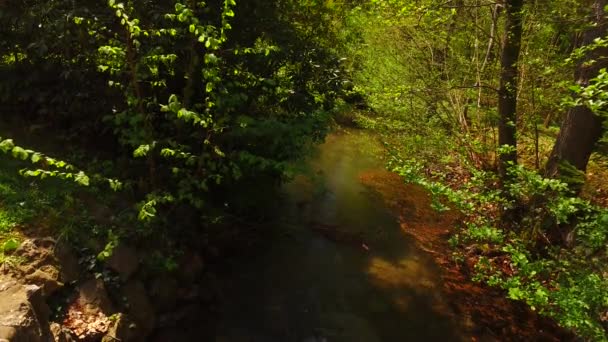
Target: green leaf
x,y
141,151
115,184
20,153
218,151
6,145
36,157
82,179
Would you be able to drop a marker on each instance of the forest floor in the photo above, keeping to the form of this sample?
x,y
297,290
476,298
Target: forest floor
x,y
484,312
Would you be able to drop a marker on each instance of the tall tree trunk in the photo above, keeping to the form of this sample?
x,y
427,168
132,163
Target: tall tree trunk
x,y
507,94
581,128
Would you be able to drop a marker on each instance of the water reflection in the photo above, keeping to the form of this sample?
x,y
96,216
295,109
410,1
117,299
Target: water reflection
x,y
346,272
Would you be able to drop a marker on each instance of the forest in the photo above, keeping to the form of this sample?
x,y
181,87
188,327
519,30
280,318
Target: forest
x,y
304,170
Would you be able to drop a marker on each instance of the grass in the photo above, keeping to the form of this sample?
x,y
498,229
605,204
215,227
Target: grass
x,y
23,201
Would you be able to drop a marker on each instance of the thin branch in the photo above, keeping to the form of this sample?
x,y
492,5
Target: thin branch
x,y
475,86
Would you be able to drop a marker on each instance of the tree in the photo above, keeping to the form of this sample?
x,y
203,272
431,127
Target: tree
x,y
507,94
198,99
581,128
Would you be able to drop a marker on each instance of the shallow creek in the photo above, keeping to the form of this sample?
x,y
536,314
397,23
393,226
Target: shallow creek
x,y
343,270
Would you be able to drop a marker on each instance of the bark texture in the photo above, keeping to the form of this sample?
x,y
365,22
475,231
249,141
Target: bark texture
x,y
507,94
581,128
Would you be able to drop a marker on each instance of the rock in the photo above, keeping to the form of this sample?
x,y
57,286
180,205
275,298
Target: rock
x,y
38,250
189,322
192,293
23,313
67,262
47,279
211,289
191,265
61,334
190,314
87,315
55,259
93,297
44,242
8,334
6,284
27,249
122,330
124,261
140,308
164,293
86,327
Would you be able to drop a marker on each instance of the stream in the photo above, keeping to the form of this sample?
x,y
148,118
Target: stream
x,y
343,270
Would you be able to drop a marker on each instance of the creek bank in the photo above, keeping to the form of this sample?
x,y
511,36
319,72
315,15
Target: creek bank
x,y
48,294
484,312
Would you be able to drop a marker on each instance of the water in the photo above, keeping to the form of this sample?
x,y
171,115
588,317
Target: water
x,y
343,270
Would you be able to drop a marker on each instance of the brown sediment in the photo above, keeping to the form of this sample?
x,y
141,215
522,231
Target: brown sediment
x,y
485,313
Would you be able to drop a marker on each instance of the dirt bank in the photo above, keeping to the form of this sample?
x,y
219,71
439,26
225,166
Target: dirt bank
x,y
483,311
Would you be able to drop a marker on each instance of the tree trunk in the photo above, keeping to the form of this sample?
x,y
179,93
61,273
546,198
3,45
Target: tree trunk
x,y
507,94
581,128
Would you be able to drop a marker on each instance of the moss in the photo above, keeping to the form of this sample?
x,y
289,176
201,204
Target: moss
x,y
569,174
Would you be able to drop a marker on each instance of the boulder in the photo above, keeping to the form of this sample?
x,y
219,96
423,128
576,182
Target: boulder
x,y
68,263
122,329
56,259
191,266
164,292
87,316
37,251
93,298
140,308
124,261
23,313
47,278
61,334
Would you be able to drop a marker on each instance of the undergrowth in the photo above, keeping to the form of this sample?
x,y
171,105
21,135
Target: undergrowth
x,y
27,204
551,254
